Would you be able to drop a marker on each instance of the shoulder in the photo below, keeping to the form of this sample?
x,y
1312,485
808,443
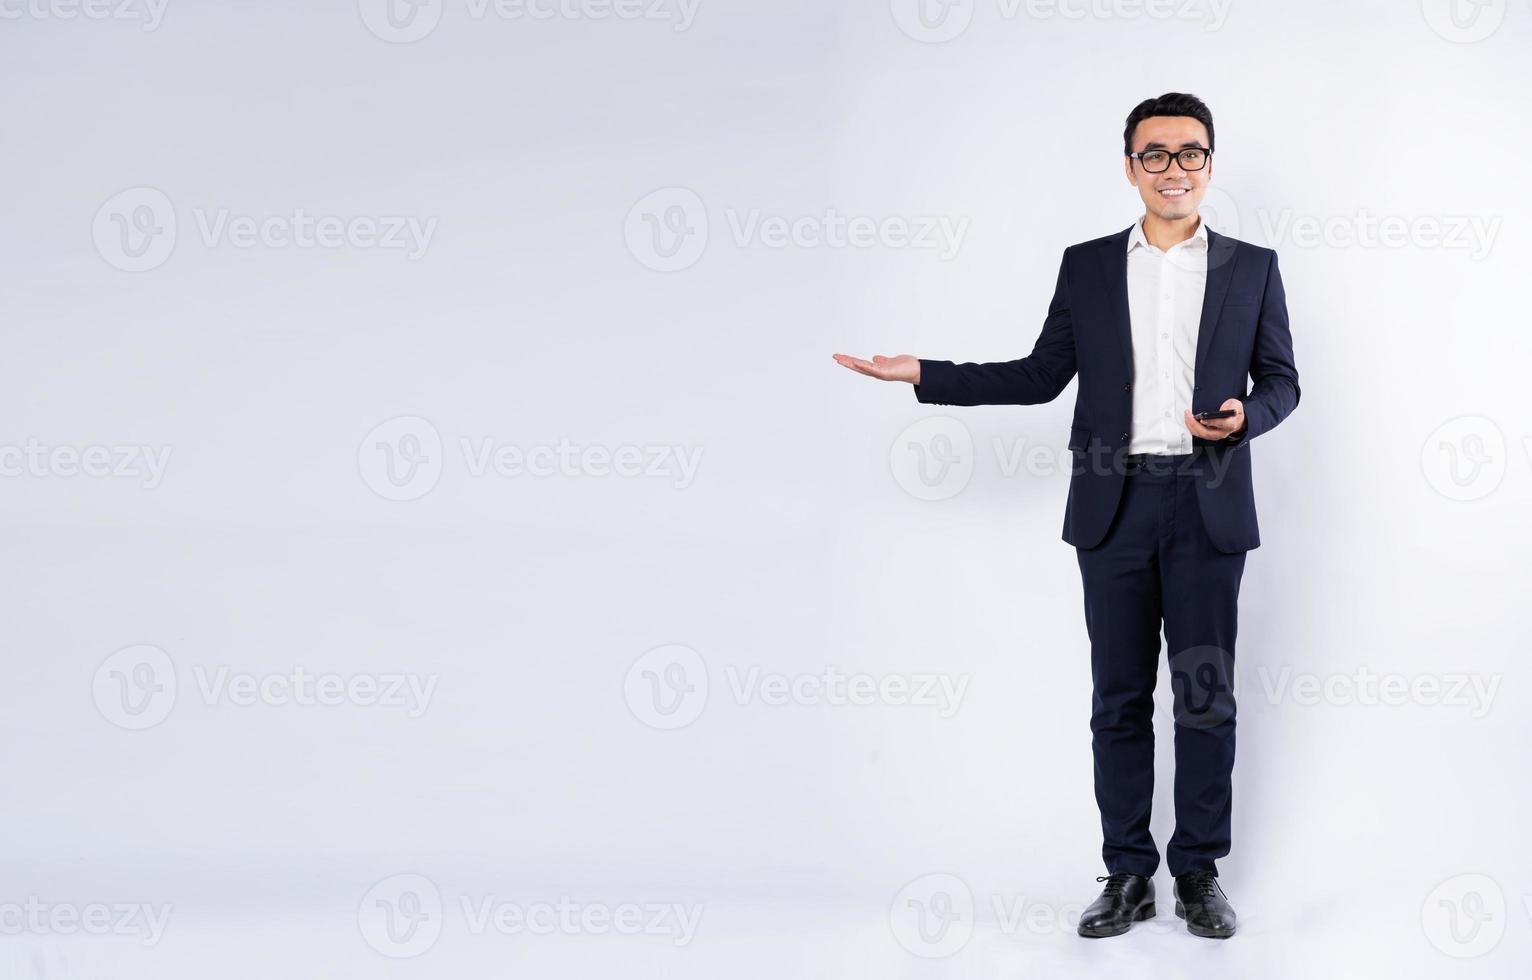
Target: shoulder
x,y
1117,239
1260,252
1089,251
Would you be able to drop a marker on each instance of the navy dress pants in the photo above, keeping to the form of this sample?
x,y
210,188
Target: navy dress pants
x,y
1157,564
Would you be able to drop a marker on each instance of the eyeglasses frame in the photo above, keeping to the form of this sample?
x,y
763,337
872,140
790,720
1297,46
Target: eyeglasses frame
x,y
1174,156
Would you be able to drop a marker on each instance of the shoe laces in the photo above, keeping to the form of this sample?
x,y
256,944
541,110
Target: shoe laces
x,y
1116,882
1199,885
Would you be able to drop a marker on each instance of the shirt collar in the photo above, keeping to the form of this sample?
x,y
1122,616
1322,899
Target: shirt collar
x,y
1198,240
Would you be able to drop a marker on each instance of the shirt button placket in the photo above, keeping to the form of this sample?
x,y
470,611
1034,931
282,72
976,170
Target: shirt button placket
x,y
1167,321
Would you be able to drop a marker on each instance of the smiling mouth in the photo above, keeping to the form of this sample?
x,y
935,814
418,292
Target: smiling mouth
x,y
1174,192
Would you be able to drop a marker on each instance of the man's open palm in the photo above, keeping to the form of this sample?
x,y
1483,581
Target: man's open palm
x,y
904,367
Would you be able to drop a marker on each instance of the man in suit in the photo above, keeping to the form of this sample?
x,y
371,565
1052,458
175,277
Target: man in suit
x,y
1162,322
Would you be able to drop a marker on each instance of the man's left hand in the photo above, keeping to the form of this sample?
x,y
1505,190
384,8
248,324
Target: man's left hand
x,y
1219,429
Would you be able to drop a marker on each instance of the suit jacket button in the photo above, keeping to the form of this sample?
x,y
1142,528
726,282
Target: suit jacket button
x,y
1128,386
1124,437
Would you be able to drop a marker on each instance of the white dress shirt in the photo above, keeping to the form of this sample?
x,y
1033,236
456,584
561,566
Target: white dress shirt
x,y
1165,309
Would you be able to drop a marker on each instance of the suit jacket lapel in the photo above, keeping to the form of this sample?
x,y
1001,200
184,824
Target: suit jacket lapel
x,y
1114,267
1220,271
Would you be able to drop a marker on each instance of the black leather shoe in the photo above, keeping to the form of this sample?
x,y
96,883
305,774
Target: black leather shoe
x,y
1126,899
1204,906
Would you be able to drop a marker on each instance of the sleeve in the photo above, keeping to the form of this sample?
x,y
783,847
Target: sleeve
x,y
1274,391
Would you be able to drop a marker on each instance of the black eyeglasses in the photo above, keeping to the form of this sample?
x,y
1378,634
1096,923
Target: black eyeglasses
x,y
1158,161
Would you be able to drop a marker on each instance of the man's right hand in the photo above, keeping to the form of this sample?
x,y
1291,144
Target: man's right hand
x,y
904,367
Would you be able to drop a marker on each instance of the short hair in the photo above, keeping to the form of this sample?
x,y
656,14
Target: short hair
x,y
1169,104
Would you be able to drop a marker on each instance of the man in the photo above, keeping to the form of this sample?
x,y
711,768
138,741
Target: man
x,y
1163,321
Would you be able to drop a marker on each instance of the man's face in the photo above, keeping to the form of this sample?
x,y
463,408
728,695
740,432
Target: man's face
x,y
1176,192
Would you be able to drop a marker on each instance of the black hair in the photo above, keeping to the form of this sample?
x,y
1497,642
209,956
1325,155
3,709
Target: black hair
x,y
1169,104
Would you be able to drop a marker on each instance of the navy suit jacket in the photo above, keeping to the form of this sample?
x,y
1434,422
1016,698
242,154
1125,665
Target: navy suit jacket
x,y
1244,351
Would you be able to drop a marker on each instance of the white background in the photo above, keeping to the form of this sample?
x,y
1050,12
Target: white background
x,y
1371,833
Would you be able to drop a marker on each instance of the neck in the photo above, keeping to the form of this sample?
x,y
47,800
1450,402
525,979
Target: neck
x,y
1163,233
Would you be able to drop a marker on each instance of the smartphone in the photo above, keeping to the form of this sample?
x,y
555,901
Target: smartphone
x,y
1226,413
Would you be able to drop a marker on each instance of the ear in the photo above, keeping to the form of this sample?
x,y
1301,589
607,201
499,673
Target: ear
x,y
1127,167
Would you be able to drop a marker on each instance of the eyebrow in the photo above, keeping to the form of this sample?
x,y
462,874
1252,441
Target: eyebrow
x,y
1161,146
